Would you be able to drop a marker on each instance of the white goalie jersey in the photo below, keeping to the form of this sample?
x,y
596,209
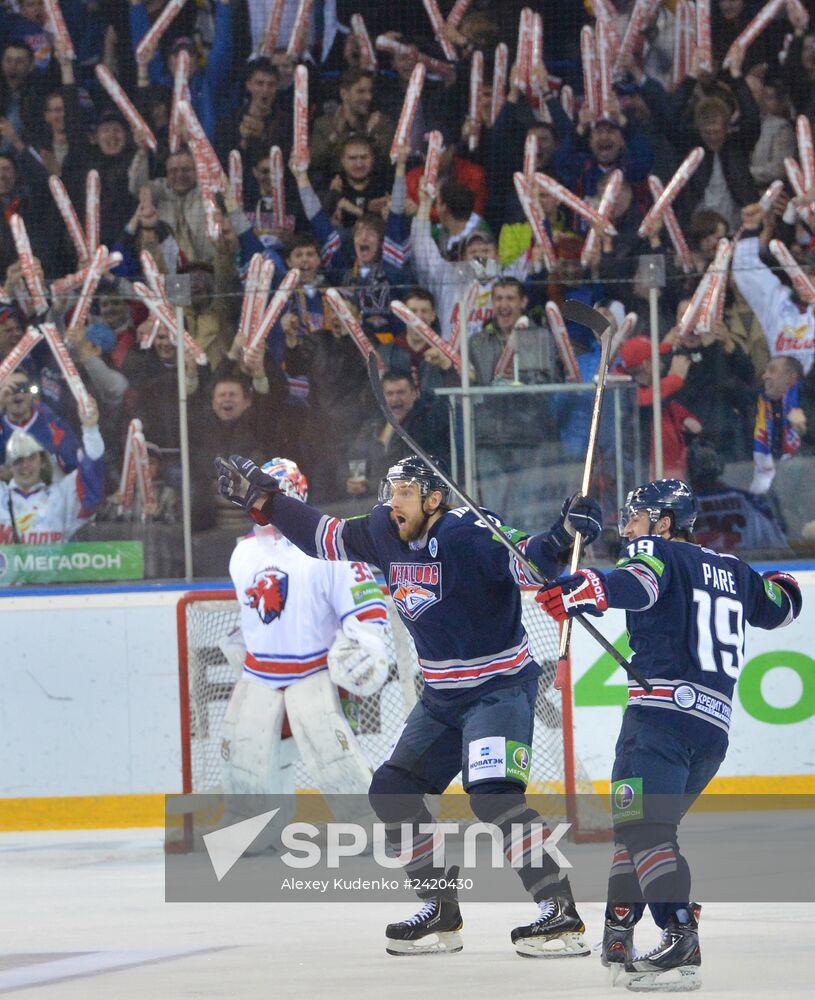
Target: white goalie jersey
x,y
292,607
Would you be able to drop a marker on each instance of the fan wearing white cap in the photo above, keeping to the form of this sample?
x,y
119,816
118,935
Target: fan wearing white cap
x,y
307,626
35,511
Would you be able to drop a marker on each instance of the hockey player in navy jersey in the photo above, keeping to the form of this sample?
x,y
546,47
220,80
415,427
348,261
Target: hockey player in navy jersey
x,y
456,589
686,608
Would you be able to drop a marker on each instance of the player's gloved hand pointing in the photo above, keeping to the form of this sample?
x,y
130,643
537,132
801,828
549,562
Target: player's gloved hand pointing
x,y
578,513
582,593
241,481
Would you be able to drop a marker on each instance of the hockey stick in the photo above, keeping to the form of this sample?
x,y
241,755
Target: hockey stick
x,y
601,327
533,572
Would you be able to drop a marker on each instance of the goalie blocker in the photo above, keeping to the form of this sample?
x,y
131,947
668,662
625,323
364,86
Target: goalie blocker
x,y
307,626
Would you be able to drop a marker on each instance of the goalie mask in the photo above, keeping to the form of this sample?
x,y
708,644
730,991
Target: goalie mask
x,y
414,470
288,476
662,498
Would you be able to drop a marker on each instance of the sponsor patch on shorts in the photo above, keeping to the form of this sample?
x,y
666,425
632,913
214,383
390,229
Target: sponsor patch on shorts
x,y
519,761
626,800
488,758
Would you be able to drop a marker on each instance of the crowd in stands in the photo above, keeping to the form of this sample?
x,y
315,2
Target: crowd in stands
x,y
357,216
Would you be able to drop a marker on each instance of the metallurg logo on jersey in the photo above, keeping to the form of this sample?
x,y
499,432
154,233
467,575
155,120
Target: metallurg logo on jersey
x,y
415,586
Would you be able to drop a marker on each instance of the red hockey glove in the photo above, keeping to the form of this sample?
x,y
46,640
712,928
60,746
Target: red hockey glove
x,y
583,593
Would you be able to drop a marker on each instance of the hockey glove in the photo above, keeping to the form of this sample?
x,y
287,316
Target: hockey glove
x,y
241,482
787,583
578,513
582,593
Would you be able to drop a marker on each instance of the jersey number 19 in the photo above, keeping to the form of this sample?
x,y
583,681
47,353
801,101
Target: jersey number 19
x,y
720,632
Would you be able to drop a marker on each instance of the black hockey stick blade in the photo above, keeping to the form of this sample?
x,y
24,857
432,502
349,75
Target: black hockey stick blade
x,y
534,573
579,312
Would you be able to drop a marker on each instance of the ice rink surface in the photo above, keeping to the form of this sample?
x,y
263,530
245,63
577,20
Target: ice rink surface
x,y
84,917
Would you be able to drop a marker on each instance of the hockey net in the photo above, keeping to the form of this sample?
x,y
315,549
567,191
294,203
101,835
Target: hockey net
x,y
207,618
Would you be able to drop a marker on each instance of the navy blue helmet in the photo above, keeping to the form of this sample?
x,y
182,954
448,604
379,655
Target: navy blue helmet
x,y
660,498
414,470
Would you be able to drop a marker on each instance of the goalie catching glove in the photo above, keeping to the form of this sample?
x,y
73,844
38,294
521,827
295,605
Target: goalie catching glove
x,y
582,593
242,483
358,659
578,513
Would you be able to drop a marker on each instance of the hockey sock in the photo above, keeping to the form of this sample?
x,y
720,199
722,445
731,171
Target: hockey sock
x,y
623,887
664,879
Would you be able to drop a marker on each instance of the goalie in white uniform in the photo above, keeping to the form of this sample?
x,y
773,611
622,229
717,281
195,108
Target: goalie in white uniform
x,y
308,626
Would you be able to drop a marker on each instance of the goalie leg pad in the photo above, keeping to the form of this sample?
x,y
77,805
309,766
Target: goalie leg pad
x,y
327,744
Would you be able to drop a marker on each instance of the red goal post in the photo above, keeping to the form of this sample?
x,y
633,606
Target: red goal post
x,y
206,678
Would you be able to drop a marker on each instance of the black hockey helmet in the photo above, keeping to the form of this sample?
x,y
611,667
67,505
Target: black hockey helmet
x,y
414,470
661,498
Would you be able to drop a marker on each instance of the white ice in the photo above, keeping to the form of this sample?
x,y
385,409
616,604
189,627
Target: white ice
x,y
90,906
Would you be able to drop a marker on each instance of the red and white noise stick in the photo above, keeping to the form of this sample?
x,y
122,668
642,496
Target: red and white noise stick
x,y
460,323
66,364
164,313
32,280
24,346
604,11
66,210
675,234
476,90
687,168
535,60
499,81
460,8
236,175
145,343
277,178
624,331
634,37
704,39
610,194
567,101
71,281
564,344
353,327
796,179
430,177
114,90
767,200
714,294
687,323
679,68
571,200
181,92
604,70
532,212
141,464
386,44
531,145
57,27
273,311
297,41
753,29
263,282
502,365
212,216
249,292
92,193
127,480
437,22
523,54
803,132
96,269
300,152
803,285
268,42
588,57
367,53
155,279
413,95
208,167
159,26
425,332
797,13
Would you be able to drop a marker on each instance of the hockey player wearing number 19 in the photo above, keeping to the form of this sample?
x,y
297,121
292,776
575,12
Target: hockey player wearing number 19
x,y
685,612
456,589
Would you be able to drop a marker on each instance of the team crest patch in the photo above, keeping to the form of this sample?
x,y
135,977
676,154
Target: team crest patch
x,y
415,587
268,594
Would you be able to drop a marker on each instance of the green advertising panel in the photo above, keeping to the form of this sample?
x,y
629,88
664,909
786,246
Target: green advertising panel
x,y
73,562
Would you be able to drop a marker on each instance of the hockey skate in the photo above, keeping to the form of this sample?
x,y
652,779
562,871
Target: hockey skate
x,y
673,966
618,940
557,932
434,930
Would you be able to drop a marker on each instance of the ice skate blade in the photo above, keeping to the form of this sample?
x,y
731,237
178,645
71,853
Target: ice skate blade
x,y
446,943
616,974
563,946
685,979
